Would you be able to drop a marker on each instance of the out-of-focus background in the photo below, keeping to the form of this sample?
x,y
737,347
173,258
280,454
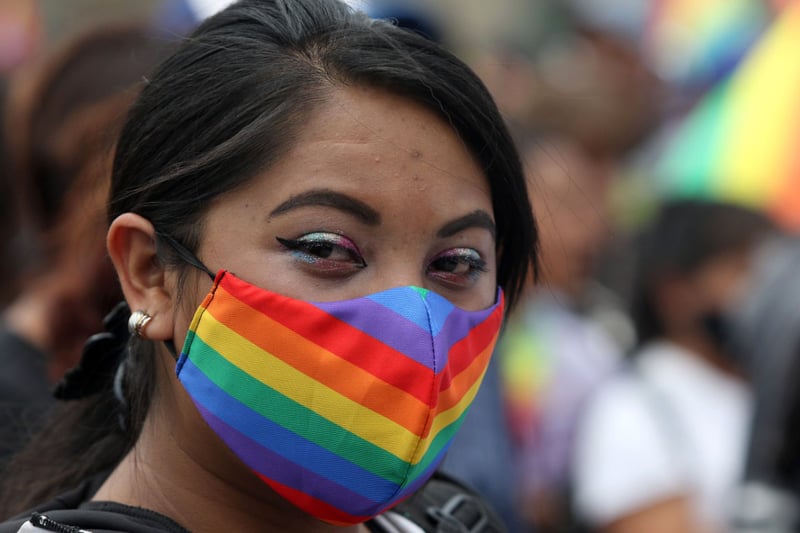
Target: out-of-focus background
x,y
646,383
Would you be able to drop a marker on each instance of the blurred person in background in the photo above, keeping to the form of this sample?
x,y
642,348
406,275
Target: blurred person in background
x,y
660,446
578,109
761,332
63,114
765,335
6,202
20,33
20,39
553,354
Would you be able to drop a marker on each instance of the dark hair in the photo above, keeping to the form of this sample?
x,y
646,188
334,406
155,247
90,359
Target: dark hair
x,y
684,236
230,103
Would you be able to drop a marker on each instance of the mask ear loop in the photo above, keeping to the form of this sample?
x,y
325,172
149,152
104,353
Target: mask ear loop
x,y
190,259
187,256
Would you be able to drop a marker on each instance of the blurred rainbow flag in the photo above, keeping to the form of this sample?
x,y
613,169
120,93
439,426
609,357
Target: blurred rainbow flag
x,y
526,367
698,42
742,142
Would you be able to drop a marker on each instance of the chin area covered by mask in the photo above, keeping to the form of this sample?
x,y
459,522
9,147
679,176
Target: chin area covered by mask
x,y
344,408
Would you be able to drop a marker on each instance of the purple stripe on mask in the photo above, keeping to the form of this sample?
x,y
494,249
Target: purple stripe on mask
x,y
449,323
386,326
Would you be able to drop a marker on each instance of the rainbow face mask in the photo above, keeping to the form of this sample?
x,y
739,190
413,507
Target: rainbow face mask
x,y
344,408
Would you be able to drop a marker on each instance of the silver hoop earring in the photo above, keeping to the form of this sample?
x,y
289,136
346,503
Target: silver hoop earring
x,y
137,323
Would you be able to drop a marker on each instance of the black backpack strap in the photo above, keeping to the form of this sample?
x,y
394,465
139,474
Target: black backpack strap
x,y
444,505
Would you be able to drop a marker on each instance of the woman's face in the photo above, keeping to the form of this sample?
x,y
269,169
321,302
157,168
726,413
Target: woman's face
x,y
377,192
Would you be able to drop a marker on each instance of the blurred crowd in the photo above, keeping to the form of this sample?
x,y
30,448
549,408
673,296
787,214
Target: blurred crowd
x,y
646,382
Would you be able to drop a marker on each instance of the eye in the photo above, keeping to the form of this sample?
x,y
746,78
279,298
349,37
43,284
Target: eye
x,y
325,252
459,267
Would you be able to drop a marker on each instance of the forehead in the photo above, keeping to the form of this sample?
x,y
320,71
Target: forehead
x,y
373,143
390,123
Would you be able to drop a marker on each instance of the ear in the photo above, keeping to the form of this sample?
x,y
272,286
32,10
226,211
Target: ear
x,y
132,246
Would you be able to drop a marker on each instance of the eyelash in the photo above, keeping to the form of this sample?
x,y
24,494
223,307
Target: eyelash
x,y
316,248
456,267
466,257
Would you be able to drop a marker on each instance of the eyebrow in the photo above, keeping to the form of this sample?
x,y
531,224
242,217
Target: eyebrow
x,y
329,198
357,208
476,219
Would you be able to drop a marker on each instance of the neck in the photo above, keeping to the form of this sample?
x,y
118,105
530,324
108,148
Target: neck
x,y
165,474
